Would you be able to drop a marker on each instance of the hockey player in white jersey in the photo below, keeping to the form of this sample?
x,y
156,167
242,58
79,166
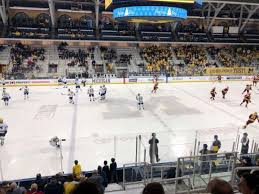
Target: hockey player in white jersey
x,y
139,99
5,97
71,95
3,131
26,92
101,93
91,93
77,82
64,80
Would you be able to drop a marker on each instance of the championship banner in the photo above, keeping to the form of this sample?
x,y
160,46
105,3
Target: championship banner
x,y
230,71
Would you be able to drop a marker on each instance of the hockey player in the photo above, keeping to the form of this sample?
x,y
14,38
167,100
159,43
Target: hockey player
x,y
101,93
71,95
247,99
5,97
104,91
55,141
60,81
219,78
77,82
91,93
64,81
247,89
3,82
213,93
83,81
251,119
255,79
139,99
3,131
224,92
155,87
26,92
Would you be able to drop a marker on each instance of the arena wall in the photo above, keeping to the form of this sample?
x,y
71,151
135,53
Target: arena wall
x,y
131,80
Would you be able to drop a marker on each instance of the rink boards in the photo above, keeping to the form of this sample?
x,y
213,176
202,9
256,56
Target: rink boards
x,y
131,80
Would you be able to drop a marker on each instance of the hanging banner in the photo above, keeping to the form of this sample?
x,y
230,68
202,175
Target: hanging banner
x,y
230,71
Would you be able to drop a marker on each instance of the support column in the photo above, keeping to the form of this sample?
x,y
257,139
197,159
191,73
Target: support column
x,y
52,12
97,4
3,13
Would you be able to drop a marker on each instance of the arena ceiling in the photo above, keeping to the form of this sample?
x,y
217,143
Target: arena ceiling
x,y
241,10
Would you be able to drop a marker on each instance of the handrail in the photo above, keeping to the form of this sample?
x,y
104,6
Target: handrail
x,y
214,154
252,168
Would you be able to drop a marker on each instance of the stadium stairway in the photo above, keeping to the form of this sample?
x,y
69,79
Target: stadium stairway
x,y
5,56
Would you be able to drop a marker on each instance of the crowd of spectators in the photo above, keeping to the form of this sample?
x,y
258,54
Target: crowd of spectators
x,y
194,57
68,184
24,58
78,57
124,60
108,54
157,58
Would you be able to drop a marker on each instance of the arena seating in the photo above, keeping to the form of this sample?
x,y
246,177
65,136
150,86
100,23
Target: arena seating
x,y
176,61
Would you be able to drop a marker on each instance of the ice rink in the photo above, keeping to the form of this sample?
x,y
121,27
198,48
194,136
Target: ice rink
x,y
97,131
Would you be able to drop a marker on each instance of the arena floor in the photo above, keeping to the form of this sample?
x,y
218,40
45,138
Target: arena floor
x,y
95,131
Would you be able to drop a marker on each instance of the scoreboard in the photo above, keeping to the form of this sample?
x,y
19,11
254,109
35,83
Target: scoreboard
x,y
122,3
151,11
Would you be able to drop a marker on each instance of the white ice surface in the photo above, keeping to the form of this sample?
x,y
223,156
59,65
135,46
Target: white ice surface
x,y
97,131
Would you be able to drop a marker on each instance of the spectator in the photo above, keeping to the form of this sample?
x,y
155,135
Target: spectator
x,y
103,174
34,189
14,189
113,171
216,145
77,170
249,184
218,186
153,188
54,187
245,144
69,185
204,159
98,180
40,182
106,170
86,187
153,148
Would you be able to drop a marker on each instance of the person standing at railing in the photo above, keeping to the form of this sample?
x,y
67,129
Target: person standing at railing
x,y
245,144
216,145
204,159
153,149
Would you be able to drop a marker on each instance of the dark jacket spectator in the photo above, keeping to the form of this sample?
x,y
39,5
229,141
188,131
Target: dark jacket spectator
x,y
153,148
40,182
153,188
54,187
245,144
86,187
106,170
249,184
103,174
113,171
98,180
